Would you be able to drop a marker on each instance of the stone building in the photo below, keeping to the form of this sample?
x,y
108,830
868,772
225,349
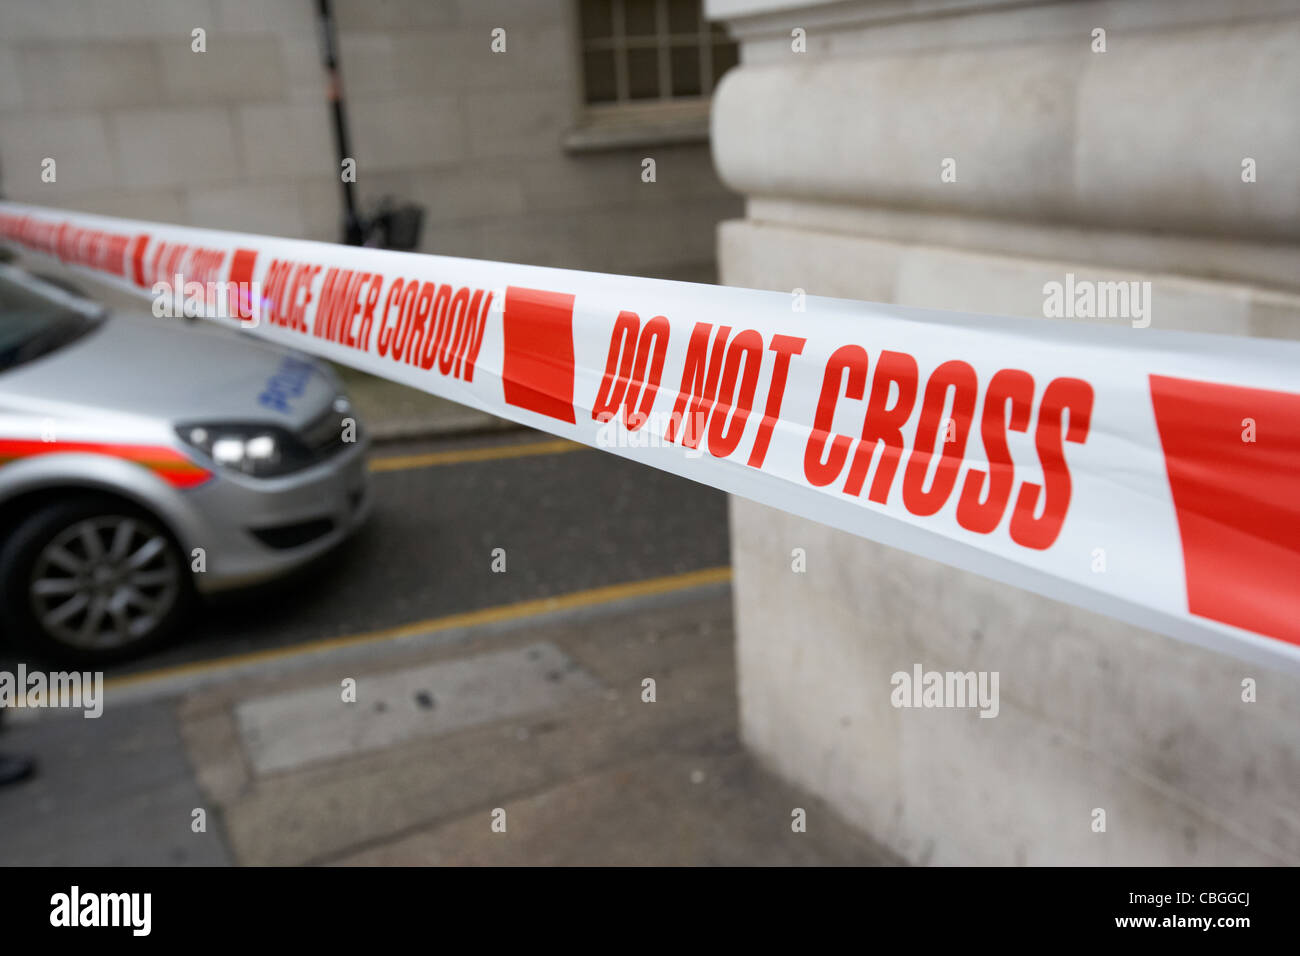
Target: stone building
x,y
531,154
1113,140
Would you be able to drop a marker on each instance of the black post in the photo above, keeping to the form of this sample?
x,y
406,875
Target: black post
x,y
353,231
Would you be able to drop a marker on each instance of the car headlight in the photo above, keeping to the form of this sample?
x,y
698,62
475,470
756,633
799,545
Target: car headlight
x,y
262,451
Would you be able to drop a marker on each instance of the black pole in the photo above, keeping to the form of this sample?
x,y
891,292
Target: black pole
x,y
353,232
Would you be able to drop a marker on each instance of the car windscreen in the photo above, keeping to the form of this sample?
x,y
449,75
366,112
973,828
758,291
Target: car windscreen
x,y
37,318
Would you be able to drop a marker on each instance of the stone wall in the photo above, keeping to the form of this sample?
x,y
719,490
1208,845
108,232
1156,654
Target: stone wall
x,y
1124,164
239,137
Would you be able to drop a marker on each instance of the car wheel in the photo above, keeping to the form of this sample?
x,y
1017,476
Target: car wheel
x,y
91,581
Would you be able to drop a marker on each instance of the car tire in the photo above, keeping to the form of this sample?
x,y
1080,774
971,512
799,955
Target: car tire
x,y
92,580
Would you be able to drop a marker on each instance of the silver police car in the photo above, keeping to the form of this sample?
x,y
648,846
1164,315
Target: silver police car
x,y
143,461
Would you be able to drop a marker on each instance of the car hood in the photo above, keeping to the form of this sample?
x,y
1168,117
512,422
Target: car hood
x,y
177,371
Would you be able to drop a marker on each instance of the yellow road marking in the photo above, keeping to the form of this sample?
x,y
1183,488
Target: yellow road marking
x,y
401,462
489,615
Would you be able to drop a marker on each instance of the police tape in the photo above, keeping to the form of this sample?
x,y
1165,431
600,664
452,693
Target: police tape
x,y
1150,475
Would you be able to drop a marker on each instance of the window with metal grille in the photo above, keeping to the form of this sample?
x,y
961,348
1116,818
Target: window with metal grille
x,y
647,51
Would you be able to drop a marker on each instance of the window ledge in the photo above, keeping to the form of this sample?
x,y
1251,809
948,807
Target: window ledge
x,y
639,124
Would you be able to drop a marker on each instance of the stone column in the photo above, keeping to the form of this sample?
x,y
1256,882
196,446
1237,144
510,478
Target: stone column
x,y
1163,149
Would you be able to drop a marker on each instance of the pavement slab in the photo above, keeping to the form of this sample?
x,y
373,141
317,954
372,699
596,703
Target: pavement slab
x,y
592,775
663,810
287,730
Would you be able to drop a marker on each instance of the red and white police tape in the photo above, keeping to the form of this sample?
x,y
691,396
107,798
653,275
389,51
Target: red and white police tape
x,y
1150,475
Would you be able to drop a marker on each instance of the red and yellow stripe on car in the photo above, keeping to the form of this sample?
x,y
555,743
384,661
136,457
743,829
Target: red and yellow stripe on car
x,y
167,463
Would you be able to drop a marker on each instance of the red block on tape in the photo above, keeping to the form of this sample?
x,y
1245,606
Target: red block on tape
x,y
241,272
1238,501
537,367
137,259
